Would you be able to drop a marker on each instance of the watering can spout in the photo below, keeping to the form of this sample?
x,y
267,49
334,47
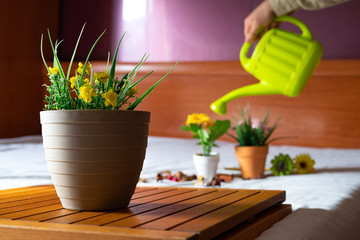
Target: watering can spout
x,y
219,106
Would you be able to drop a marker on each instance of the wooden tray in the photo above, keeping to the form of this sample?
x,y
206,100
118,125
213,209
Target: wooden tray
x,y
154,213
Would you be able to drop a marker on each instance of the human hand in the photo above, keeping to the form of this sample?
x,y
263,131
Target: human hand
x,y
260,17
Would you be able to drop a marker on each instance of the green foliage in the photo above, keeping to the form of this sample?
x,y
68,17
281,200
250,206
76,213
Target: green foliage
x,y
251,132
209,135
89,90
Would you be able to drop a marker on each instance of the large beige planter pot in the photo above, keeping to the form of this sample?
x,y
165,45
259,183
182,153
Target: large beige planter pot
x,y
206,166
252,160
95,156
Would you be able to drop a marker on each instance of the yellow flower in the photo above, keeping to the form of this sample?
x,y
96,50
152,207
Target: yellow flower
x,y
86,81
86,93
54,70
132,91
304,164
199,118
110,98
81,68
73,82
101,76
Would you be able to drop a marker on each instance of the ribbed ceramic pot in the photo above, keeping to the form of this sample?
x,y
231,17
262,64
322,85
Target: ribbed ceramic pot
x,y
252,160
95,156
206,166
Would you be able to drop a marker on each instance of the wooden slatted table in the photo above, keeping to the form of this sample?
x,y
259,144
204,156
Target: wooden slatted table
x,y
154,213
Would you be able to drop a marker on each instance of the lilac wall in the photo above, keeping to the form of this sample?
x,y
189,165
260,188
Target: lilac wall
x,y
196,30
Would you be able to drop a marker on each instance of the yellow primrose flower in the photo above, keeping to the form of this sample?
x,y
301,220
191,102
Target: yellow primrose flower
x,y
110,98
54,70
198,118
101,76
81,68
304,164
132,91
86,81
73,82
86,93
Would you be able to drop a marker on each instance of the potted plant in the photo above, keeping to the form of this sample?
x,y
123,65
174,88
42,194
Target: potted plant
x,y
202,128
252,136
94,139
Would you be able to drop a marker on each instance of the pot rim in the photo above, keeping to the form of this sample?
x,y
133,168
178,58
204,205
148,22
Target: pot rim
x,y
93,110
266,145
212,154
94,116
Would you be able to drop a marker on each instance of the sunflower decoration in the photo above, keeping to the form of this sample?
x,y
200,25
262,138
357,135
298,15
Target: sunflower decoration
x,y
304,164
282,164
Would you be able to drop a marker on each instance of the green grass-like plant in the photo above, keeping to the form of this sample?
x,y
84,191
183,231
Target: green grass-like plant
x,y
89,90
253,132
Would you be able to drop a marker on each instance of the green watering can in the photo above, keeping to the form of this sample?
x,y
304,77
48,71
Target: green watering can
x,y
283,61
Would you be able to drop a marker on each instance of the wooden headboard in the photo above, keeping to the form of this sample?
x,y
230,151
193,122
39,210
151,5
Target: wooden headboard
x,y
325,114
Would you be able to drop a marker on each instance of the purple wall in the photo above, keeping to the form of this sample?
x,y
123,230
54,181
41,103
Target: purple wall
x,y
98,16
337,28
195,30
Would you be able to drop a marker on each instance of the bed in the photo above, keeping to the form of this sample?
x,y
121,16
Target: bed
x,y
324,119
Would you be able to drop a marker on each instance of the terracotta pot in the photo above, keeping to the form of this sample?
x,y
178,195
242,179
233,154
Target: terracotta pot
x,y
206,166
252,160
95,156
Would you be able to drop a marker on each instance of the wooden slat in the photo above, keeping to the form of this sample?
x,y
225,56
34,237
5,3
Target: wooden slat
x,y
151,192
71,218
24,189
49,215
198,210
29,201
62,215
154,213
216,222
153,195
27,207
181,206
35,211
262,221
11,230
27,194
50,206
125,213
143,189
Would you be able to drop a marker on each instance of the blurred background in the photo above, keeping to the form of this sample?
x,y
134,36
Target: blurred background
x,y
195,30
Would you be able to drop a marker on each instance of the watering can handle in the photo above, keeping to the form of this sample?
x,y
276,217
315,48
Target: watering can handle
x,y
306,33
243,54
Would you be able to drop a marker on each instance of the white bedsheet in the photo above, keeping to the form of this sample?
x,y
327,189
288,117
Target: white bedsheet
x,y
327,200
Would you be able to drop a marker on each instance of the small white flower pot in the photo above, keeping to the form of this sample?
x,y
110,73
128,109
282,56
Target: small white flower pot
x,y
206,166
